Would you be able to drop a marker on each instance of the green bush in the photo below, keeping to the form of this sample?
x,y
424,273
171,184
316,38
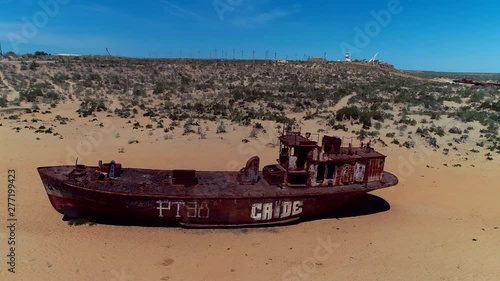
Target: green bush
x,y
455,130
3,101
221,129
346,113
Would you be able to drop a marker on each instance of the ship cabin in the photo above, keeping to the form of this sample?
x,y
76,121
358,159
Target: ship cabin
x,y
304,163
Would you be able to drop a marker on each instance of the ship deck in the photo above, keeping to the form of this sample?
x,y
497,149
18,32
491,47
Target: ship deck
x,y
211,184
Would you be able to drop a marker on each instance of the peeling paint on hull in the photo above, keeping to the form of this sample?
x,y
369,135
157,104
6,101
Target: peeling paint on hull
x,y
209,209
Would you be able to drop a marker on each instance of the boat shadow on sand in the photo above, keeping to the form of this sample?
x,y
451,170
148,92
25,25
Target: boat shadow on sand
x,y
367,204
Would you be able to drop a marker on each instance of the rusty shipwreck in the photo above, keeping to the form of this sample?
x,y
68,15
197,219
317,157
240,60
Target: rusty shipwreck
x,y
308,179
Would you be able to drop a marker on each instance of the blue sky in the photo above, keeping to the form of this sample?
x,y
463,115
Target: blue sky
x,y
460,36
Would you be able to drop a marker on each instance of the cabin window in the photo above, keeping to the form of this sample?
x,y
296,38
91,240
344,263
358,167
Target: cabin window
x,y
331,171
328,148
283,155
301,157
298,179
321,173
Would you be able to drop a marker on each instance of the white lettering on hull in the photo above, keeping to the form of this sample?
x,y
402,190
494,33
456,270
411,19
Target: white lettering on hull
x,y
276,210
181,208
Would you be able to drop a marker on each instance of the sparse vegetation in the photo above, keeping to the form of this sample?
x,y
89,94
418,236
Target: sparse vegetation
x,y
187,93
201,133
455,130
221,129
3,101
187,127
254,133
79,222
132,141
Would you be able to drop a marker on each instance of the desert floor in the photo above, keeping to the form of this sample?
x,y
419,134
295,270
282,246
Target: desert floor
x,y
440,222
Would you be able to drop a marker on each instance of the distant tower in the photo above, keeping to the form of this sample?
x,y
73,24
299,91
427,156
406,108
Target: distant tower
x,y
347,58
374,59
1,52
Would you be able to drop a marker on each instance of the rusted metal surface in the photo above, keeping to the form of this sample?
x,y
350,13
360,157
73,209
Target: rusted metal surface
x,y
317,181
184,177
249,174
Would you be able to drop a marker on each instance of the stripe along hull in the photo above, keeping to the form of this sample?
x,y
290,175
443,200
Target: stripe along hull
x,y
76,201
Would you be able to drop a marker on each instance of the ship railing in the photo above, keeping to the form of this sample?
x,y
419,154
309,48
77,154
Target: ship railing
x,y
298,133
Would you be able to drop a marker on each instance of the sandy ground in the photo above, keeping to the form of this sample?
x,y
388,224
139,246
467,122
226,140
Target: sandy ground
x,y
439,223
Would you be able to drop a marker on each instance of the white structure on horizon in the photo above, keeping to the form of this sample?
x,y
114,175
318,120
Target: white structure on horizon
x,y
67,55
347,58
372,60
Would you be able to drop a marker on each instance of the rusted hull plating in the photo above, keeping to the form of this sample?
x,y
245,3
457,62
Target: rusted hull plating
x,y
73,201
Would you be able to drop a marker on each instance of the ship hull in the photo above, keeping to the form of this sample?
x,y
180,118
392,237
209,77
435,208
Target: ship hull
x,y
214,211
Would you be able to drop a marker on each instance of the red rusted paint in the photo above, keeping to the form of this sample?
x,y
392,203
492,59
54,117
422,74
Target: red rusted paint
x,y
308,181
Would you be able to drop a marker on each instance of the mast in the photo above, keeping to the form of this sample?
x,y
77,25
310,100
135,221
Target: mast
x,y
372,60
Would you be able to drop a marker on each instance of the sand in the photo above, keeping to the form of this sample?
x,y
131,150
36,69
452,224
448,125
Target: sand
x,y
439,223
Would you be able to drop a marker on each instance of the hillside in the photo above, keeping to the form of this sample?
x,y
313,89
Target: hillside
x,y
385,105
